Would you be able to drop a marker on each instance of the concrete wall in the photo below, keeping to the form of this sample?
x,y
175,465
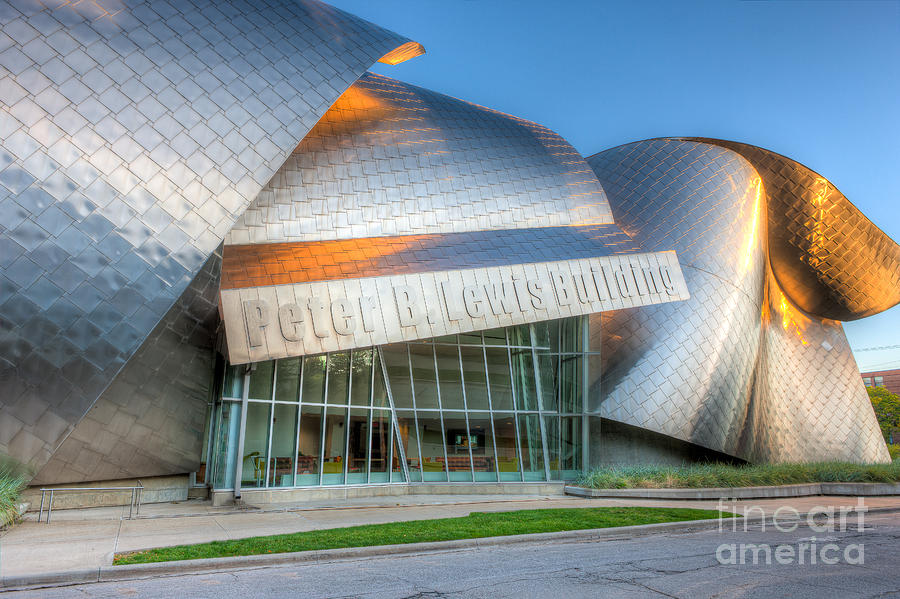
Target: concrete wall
x,y
159,489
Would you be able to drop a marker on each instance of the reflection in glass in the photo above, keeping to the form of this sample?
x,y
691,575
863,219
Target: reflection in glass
x,y
505,438
551,428
449,377
256,444
531,447
338,377
432,441
475,378
361,381
547,363
333,457
261,380
498,377
287,380
495,337
357,446
424,379
284,437
309,452
314,379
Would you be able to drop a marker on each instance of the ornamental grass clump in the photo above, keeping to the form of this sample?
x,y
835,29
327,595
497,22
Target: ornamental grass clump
x,y
13,478
728,475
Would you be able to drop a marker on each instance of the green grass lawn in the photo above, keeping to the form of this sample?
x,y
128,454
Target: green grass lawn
x,y
726,475
475,525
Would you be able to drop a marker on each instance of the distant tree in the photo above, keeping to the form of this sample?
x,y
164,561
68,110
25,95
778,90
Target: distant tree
x,y
887,410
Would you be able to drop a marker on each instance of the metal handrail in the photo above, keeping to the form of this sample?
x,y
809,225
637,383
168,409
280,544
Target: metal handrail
x,y
134,507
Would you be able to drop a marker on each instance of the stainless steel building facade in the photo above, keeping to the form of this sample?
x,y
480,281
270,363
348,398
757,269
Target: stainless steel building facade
x,y
225,247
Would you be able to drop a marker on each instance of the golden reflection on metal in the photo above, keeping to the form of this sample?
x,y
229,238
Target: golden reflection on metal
x,y
742,367
403,53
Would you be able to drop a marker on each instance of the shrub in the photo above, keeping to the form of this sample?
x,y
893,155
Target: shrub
x,y
13,478
726,475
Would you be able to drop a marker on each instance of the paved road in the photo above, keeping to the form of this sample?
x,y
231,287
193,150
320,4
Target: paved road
x,y
675,565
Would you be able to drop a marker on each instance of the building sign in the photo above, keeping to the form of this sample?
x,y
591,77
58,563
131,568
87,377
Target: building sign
x,y
278,321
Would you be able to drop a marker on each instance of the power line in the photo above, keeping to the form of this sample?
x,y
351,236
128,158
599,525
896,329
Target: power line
x,y
877,348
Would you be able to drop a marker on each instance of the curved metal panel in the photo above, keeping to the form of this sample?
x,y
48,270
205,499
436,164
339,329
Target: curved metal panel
x,y
737,368
827,256
686,369
133,137
391,158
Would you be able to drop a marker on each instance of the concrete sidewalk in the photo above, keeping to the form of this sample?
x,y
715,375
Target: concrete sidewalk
x,y
82,539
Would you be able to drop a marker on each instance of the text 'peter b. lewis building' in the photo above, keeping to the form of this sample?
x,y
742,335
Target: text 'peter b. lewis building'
x,y
228,251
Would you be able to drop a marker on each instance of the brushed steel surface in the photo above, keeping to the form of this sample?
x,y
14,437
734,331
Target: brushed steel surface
x,y
133,136
737,368
390,158
826,255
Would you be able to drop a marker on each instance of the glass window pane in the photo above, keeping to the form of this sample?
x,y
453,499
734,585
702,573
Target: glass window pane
x,y
570,338
475,378
553,335
505,438
381,447
409,438
473,338
498,377
338,377
228,428
397,474
314,379
361,383
432,440
531,447
261,380
570,447
449,377
519,335
397,363
523,379
424,380
551,426
234,382
446,339
494,337
379,393
310,445
357,446
549,382
570,370
459,463
256,444
287,381
284,438
481,439
542,334
335,439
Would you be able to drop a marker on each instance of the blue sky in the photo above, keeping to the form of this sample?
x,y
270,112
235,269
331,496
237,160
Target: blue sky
x,y
816,81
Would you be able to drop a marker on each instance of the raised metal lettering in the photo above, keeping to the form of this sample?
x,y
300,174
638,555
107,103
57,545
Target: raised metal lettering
x,y
473,301
563,289
342,316
368,309
454,310
257,315
408,309
667,282
319,311
290,318
536,290
500,297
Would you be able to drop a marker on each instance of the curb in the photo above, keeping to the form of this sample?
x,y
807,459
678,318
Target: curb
x,y
217,564
762,492
222,564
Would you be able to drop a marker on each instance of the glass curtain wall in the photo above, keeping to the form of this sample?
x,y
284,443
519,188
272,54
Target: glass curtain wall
x,y
498,405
